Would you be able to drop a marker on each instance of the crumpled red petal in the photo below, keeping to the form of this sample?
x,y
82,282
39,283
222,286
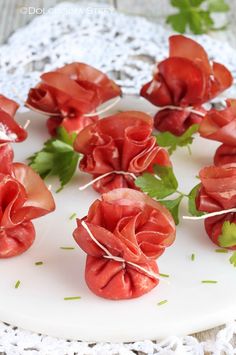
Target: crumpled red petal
x,y
10,130
122,142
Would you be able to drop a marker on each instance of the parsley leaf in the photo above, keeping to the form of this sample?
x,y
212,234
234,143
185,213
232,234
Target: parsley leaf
x,y
170,141
173,207
233,259
228,235
217,6
57,158
191,202
192,15
160,185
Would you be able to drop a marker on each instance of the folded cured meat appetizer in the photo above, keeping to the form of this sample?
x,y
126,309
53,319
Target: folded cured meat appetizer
x,y
217,193
70,96
225,154
23,197
120,146
221,126
10,130
182,83
123,234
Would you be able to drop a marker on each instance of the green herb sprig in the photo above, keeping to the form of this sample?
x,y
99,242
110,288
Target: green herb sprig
x,y
192,15
56,158
172,142
163,183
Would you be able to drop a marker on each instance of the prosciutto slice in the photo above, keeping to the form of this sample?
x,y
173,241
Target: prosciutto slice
x,y
217,193
119,143
225,154
131,226
10,130
69,93
184,79
220,125
23,197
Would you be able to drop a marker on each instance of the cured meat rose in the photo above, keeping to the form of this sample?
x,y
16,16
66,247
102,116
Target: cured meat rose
x,y
121,142
10,130
69,93
217,193
220,125
23,197
184,79
225,154
131,226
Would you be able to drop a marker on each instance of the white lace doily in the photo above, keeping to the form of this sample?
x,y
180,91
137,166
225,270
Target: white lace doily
x,y
126,48
14,341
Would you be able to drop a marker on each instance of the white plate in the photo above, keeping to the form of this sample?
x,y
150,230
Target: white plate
x,y
38,304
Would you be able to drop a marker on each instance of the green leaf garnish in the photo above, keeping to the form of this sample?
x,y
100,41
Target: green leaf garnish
x,y
38,263
160,185
191,202
173,207
227,237
162,302
72,298
221,251
17,284
209,282
72,216
233,259
172,142
195,17
193,257
67,248
217,6
164,275
57,158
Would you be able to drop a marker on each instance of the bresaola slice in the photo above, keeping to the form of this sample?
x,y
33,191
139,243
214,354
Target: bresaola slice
x,y
131,227
221,126
69,93
217,193
23,197
10,130
225,154
119,143
185,79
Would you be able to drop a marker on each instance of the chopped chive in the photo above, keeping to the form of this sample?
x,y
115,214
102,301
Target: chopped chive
x,y
60,189
193,257
164,275
221,250
17,284
72,216
38,263
209,282
72,298
162,302
67,248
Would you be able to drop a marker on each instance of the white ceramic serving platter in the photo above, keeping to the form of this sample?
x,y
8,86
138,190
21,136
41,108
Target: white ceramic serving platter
x,y
38,304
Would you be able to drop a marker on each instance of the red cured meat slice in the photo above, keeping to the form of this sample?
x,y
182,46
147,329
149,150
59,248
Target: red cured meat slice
x,y
121,142
68,93
176,121
225,154
220,125
186,78
115,281
217,193
10,130
23,197
131,226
